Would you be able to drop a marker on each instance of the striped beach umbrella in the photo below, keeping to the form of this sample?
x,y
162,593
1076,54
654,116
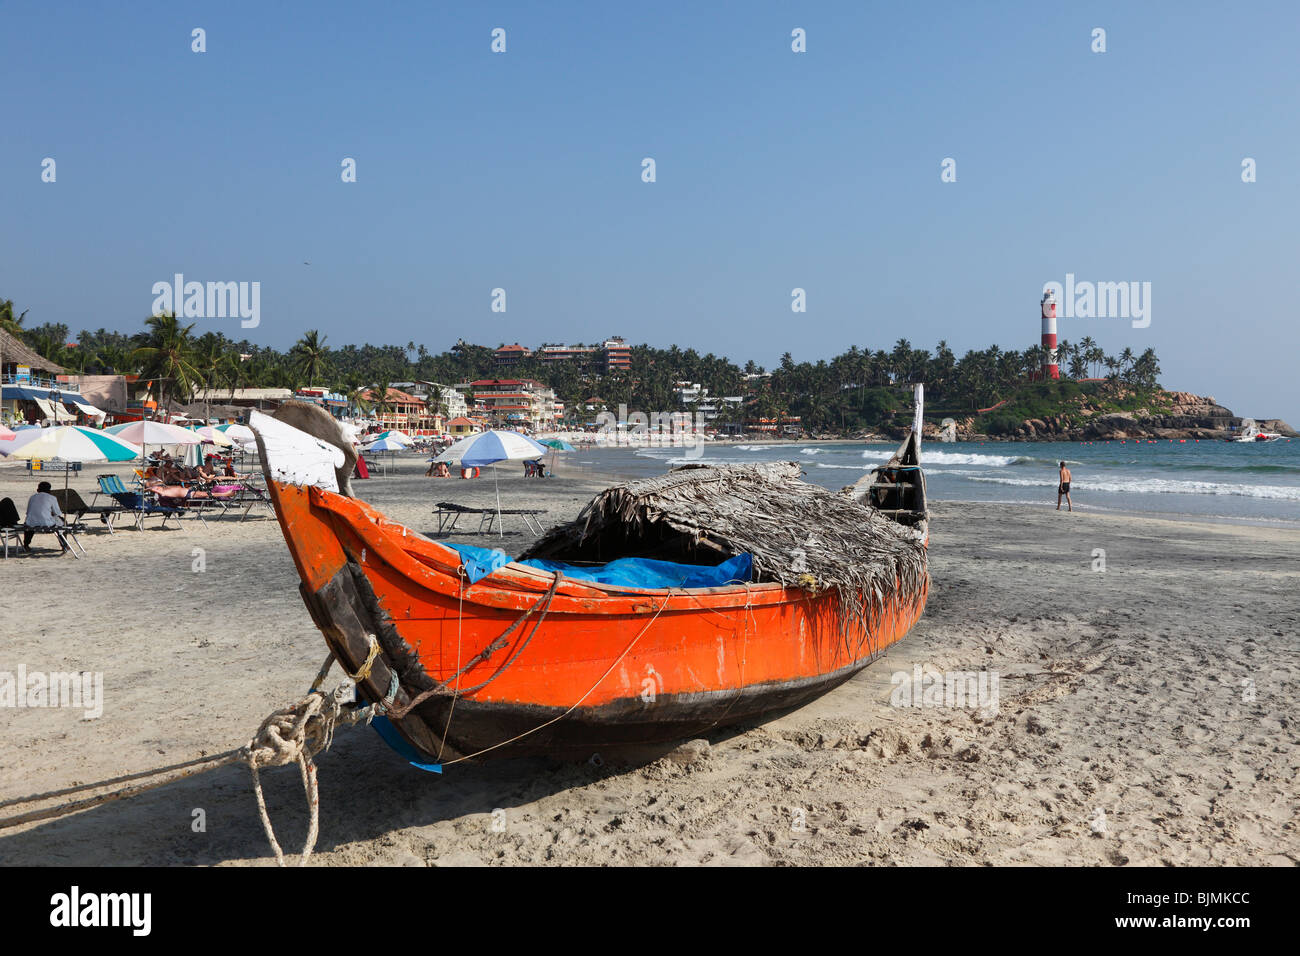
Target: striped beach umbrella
x,y
212,436
154,433
150,432
68,443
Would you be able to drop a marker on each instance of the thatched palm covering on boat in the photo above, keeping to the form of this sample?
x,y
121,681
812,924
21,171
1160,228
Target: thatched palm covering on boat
x,y
799,534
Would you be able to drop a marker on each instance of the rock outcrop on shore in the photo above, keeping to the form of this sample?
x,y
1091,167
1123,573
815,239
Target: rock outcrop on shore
x,y
1171,415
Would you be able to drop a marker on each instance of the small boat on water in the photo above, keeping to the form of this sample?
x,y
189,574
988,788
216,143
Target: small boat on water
x,y
671,606
1251,433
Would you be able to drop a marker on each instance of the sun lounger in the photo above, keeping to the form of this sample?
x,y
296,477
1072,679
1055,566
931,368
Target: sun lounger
x,y
65,534
448,513
249,495
74,506
13,529
138,504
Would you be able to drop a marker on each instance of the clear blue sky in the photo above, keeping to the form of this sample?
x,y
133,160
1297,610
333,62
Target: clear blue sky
x,y
775,170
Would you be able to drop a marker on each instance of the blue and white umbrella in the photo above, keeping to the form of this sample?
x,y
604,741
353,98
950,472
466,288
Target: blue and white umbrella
x,y
489,448
385,444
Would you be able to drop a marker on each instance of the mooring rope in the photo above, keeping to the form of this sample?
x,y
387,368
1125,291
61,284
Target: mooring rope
x,y
543,604
292,734
576,704
460,620
305,728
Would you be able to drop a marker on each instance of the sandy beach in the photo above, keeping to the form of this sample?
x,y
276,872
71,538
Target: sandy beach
x,y
1147,710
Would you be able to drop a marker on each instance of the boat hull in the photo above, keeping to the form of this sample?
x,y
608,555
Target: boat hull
x,y
521,663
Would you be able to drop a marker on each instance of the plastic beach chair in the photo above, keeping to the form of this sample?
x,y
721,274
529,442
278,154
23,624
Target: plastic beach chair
x,y
136,503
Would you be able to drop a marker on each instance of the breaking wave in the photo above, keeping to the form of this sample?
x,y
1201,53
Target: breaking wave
x,y
929,455
1159,486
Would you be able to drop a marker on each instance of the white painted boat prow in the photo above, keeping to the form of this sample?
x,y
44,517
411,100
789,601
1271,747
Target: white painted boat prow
x,y
295,457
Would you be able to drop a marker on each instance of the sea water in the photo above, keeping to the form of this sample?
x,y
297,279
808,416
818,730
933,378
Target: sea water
x,y
1243,482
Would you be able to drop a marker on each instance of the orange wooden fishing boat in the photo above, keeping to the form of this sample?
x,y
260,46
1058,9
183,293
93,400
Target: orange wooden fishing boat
x,y
530,660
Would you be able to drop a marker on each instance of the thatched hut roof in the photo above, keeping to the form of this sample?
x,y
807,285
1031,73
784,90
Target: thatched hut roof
x,y
799,534
14,352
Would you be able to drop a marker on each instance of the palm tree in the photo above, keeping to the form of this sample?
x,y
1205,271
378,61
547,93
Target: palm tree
x,y
380,403
437,404
1094,356
214,365
168,359
14,326
1078,364
310,353
1085,349
1126,360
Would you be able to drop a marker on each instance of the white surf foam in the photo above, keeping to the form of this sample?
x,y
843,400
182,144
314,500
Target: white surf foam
x,y
931,456
1160,486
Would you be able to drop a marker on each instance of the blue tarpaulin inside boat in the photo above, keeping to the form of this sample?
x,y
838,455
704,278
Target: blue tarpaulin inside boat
x,y
479,562
625,572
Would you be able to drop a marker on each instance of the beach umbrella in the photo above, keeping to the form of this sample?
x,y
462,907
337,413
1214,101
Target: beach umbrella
x,y
490,447
212,436
555,445
397,435
150,432
154,433
392,445
238,433
384,444
68,443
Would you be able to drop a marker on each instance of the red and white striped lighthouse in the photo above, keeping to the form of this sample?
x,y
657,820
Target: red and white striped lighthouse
x,y
1050,367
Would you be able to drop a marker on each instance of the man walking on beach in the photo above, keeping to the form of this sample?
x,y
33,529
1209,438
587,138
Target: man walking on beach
x,y
42,512
1064,489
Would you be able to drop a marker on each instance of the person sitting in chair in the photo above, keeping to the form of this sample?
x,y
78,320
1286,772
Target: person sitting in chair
x,y
43,512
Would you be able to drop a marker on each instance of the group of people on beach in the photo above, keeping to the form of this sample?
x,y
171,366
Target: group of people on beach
x,y
440,469
170,477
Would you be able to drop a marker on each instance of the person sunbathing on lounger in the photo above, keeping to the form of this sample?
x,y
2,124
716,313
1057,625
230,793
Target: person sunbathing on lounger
x,y
163,490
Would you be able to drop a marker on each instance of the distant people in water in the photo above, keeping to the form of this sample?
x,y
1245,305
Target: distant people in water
x,y
1064,489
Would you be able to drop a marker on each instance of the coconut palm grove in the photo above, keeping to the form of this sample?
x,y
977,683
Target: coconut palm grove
x,y
856,391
